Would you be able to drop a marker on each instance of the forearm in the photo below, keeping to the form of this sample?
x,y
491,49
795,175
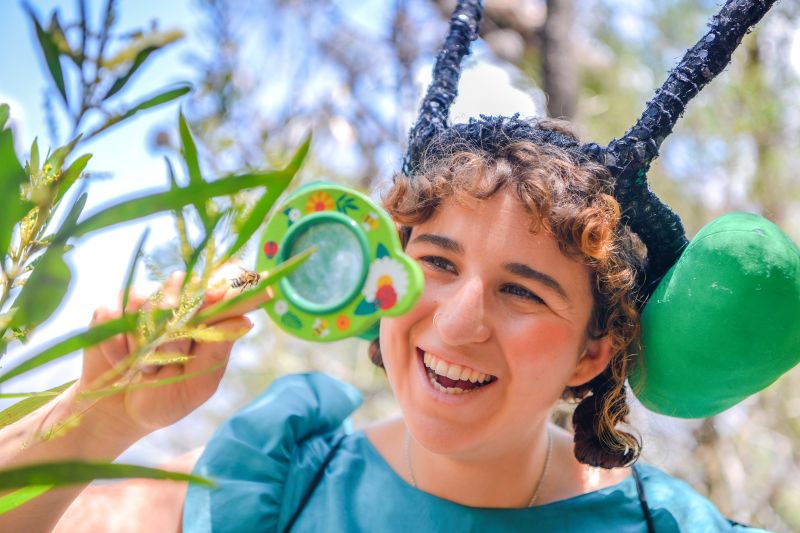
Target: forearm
x,y
66,428
131,506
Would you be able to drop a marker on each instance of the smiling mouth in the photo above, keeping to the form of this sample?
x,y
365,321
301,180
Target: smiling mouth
x,y
453,379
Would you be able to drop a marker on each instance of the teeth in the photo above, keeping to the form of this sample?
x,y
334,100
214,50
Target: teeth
x,y
443,368
454,372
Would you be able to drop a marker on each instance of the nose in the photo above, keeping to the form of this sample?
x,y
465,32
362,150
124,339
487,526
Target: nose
x,y
462,318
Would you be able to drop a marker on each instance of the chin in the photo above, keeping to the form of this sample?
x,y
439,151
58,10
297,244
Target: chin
x,y
442,423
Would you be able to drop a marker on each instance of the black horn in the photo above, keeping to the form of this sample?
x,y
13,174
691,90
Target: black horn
x,y
435,109
629,157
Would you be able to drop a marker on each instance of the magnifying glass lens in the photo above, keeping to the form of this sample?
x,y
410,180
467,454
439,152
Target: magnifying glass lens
x,y
331,274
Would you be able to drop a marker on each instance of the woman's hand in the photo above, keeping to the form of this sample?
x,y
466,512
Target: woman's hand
x,y
154,396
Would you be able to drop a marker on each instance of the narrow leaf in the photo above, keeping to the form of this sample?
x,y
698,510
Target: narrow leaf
x,y
260,210
60,154
22,408
42,293
179,197
47,395
299,156
126,291
143,385
189,150
153,101
270,278
12,176
72,173
72,472
4,112
198,250
180,222
73,343
51,55
33,160
20,496
120,82
70,221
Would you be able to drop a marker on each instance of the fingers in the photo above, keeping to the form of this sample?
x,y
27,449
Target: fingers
x,y
113,351
209,360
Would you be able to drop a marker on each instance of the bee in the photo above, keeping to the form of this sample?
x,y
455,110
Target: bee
x,y
247,280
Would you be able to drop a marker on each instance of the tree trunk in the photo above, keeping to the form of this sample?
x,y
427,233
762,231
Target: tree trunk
x,y
559,71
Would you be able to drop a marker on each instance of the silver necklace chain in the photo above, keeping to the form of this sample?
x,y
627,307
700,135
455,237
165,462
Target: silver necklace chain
x,y
539,484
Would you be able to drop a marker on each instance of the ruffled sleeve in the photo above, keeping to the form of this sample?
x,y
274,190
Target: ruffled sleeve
x,y
265,457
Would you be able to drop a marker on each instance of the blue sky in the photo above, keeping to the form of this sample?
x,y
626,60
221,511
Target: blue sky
x,y
99,261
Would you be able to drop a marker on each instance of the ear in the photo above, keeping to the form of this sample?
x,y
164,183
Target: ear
x,y
594,359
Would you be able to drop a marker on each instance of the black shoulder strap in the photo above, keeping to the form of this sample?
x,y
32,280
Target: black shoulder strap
x,y
313,485
651,528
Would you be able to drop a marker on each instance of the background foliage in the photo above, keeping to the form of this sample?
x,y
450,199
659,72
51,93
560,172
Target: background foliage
x,y
352,72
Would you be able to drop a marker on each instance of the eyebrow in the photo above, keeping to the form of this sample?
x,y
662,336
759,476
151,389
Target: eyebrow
x,y
518,269
441,241
527,272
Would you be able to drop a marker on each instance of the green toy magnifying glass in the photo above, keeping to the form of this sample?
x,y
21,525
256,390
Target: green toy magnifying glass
x,y
358,273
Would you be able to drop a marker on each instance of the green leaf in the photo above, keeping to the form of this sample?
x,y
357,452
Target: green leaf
x,y
299,156
12,176
120,82
260,210
4,112
153,101
73,343
70,221
189,150
33,161
51,54
43,291
18,497
126,291
47,395
270,278
72,472
60,154
29,405
178,197
198,250
71,175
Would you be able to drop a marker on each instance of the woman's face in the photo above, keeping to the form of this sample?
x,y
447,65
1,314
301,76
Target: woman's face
x,y
501,306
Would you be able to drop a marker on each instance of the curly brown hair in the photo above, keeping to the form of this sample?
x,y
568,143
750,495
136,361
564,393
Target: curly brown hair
x,y
570,198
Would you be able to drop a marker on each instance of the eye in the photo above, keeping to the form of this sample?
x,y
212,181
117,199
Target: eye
x,y
521,292
438,263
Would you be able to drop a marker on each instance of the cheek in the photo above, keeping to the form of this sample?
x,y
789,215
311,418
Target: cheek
x,y
545,354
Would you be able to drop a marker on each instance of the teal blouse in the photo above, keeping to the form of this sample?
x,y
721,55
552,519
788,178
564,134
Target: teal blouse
x,y
290,453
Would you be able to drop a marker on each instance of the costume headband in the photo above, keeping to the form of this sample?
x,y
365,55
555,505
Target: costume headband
x,y
723,312
627,158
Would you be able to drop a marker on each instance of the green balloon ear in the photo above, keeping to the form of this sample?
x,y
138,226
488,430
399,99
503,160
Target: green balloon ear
x,y
724,322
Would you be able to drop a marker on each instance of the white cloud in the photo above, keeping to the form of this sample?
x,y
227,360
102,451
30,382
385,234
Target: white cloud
x,y
489,89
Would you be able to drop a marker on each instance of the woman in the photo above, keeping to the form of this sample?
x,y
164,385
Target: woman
x,y
529,296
